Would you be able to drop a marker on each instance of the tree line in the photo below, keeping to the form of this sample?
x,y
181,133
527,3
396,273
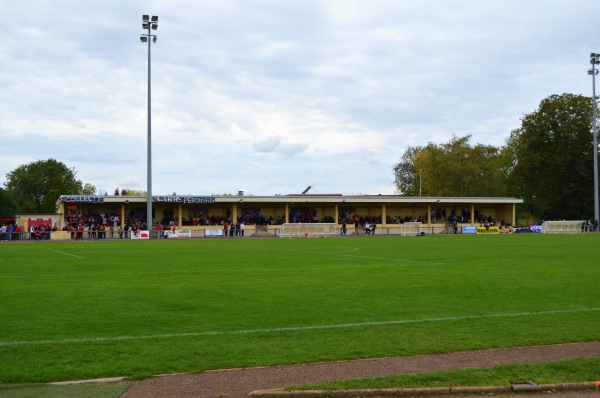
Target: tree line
x,y
547,161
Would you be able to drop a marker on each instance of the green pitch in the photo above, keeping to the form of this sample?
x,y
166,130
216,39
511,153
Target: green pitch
x,y
82,310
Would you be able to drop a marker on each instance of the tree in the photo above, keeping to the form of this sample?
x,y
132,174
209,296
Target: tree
x,y
8,206
88,189
552,158
452,169
406,175
36,186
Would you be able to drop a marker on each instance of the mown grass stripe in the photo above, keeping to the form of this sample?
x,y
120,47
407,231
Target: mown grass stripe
x,y
291,329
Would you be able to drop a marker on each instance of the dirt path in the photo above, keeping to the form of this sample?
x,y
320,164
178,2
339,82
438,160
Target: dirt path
x,y
237,383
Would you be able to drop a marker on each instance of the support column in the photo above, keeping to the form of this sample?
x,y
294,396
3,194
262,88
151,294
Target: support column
x,y
234,214
428,215
287,213
61,211
180,218
514,214
383,215
472,214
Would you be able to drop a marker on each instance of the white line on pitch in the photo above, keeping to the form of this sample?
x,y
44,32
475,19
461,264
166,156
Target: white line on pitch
x,y
66,254
288,329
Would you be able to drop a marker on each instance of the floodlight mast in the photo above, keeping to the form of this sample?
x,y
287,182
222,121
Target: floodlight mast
x,y
149,38
595,60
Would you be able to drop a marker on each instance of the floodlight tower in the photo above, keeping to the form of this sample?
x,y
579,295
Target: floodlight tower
x,y
148,24
595,60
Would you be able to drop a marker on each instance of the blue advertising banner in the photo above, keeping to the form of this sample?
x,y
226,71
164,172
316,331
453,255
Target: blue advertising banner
x,y
469,229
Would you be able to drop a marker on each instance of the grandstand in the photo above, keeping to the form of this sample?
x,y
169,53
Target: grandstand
x,y
264,215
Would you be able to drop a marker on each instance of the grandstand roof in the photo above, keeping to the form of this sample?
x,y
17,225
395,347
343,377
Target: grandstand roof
x,y
292,198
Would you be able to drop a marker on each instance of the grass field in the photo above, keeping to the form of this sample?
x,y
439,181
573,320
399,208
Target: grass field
x,y
81,310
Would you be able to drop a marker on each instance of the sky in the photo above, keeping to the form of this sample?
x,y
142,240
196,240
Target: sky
x,y
272,96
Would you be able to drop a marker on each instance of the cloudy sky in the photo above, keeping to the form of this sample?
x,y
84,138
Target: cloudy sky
x,y
270,96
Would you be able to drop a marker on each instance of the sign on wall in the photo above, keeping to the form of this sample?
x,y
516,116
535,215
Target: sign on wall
x,y
184,199
140,235
84,199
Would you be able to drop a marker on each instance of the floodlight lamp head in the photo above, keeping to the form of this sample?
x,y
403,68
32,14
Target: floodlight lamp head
x,y
145,18
154,18
154,26
154,39
143,39
145,25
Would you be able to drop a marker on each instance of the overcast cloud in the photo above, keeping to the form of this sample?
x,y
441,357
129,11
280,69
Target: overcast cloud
x,y
271,96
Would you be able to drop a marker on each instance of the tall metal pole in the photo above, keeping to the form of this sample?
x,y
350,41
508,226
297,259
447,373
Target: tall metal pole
x,y
149,168
148,24
594,60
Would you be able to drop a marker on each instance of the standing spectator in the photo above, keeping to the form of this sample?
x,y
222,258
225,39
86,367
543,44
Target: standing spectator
x,y
242,228
3,230
19,230
225,228
120,230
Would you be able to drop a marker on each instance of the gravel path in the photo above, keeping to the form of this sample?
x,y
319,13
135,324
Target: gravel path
x,y
239,383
